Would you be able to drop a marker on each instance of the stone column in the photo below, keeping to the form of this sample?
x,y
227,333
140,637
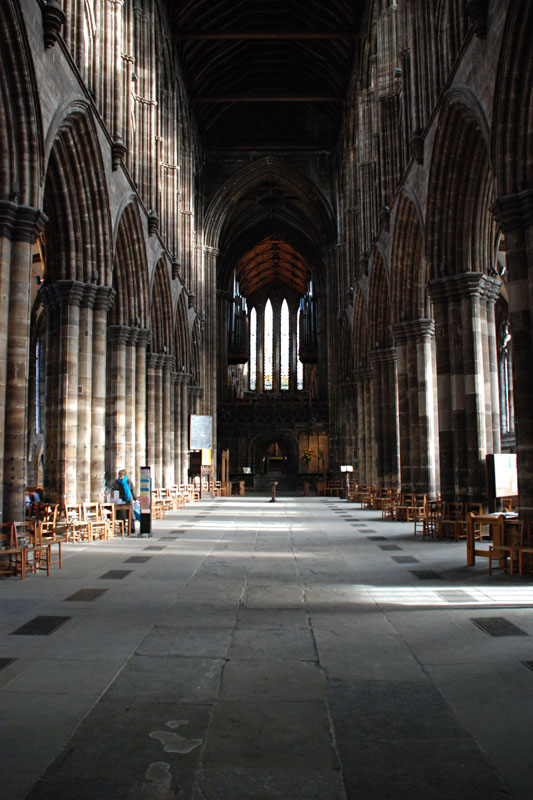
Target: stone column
x,y
417,418
492,382
19,229
118,336
223,305
365,432
143,339
514,213
385,410
157,416
168,422
176,390
50,450
130,405
461,317
184,427
85,380
69,295
102,303
260,349
152,366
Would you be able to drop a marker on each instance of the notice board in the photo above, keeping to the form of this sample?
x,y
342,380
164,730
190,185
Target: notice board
x,y
201,432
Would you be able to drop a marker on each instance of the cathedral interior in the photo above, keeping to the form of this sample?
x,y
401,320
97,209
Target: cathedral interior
x,y
310,223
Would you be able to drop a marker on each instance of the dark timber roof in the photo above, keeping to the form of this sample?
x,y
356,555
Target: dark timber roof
x,y
267,74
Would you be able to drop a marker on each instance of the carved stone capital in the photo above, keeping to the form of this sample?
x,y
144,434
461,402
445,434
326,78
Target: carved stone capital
x,y
455,287
68,293
514,211
143,337
20,223
118,334
384,355
105,295
53,19
153,223
118,151
415,329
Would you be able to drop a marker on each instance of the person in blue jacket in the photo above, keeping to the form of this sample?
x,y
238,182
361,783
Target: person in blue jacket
x,y
126,492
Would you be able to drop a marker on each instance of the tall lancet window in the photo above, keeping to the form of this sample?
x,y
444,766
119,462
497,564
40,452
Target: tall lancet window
x,y
284,354
253,350
269,345
299,365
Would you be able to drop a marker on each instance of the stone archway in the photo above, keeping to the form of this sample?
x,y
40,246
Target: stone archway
x,y
274,453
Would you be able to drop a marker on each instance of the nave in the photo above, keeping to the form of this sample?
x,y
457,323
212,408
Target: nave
x,y
303,649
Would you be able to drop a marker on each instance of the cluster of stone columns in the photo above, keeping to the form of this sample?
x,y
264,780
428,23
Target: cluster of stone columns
x,y
75,391
467,370
19,228
428,408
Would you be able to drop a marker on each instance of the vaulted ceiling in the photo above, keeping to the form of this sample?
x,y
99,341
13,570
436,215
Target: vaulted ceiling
x,y
272,265
267,74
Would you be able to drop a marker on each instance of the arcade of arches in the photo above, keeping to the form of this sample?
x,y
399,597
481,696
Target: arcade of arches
x,y
334,258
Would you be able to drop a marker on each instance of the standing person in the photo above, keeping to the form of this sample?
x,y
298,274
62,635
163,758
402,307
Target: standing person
x,y
126,492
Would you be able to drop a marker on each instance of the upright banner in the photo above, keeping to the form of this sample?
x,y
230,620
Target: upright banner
x,y
145,501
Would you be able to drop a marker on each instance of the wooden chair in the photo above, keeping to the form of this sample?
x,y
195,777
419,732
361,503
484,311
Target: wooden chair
x,y
453,520
98,528
158,507
510,548
77,528
48,517
115,526
527,548
38,554
416,512
12,556
432,518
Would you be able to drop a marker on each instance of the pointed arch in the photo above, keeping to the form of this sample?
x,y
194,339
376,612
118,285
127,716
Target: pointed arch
x,y
78,233
182,335
408,274
161,310
130,274
513,100
22,159
461,189
380,316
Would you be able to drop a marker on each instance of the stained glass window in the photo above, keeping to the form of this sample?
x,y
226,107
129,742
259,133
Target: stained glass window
x,y
253,350
284,360
269,345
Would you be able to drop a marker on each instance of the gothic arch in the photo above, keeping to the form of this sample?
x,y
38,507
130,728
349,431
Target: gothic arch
x,y
408,277
130,276
380,320
513,100
361,330
319,215
78,232
182,335
161,311
21,162
460,229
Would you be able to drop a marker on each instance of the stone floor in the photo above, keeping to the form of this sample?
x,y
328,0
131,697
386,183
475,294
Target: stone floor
x,y
302,650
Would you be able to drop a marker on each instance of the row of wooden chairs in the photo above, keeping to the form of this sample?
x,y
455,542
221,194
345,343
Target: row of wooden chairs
x,y
173,497
25,548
